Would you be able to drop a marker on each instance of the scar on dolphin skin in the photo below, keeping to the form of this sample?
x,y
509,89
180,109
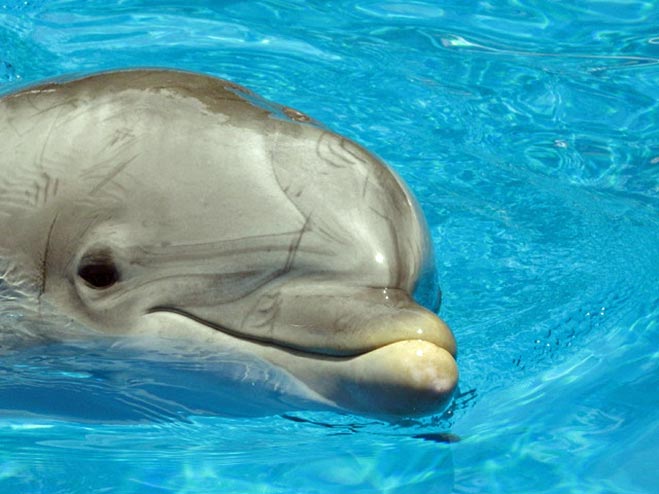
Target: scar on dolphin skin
x,y
237,225
44,259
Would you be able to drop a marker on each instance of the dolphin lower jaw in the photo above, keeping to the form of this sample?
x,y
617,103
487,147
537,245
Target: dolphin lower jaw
x,y
408,377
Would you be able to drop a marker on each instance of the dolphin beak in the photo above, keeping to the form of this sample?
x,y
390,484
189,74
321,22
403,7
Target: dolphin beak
x,y
406,377
368,350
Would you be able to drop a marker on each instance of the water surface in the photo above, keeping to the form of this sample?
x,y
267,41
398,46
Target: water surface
x,y
529,132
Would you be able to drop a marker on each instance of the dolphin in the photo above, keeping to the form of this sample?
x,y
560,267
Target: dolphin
x,y
179,205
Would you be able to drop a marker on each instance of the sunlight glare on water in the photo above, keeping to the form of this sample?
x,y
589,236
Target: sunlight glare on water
x,y
528,131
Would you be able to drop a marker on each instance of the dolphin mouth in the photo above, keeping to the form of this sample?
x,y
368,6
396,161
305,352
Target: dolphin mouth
x,y
395,375
318,346
264,341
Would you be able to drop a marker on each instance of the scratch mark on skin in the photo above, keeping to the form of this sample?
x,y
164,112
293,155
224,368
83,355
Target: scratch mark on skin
x,y
275,310
34,197
113,174
44,187
11,124
264,313
47,188
344,145
44,259
121,135
366,183
325,142
35,94
270,309
72,115
286,189
295,246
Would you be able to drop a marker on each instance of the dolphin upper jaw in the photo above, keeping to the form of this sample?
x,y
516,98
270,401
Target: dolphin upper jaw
x,y
322,318
322,344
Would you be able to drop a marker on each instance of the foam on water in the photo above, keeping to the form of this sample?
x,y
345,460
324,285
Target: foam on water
x,y
529,132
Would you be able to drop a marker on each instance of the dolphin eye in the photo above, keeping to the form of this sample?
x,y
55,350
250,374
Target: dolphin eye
x,y
99,271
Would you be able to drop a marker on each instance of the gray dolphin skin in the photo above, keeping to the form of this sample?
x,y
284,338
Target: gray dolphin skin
x,y
182,206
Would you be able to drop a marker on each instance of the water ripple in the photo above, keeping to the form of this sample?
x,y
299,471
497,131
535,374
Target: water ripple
x,y
529,132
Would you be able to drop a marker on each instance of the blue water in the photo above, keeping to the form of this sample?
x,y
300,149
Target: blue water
x,y
529,131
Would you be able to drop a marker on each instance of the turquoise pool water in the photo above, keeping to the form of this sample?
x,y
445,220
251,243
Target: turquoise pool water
x,y
529,131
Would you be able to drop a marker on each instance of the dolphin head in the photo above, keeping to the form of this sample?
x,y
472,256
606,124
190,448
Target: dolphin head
x,y
183,206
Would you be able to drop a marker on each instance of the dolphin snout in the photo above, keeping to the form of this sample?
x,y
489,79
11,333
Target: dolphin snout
x,y
369,350
399,361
